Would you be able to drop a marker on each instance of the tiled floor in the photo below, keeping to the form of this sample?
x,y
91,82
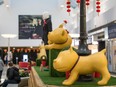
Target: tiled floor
x,y
4,76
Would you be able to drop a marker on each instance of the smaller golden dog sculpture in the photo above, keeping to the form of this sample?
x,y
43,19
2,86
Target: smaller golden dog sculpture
x,y
58,39
69,60
42,52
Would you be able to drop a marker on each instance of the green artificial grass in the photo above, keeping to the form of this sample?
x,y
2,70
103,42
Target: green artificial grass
x,y
47,79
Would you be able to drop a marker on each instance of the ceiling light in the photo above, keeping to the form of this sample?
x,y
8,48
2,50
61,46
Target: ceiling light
x,y
62,6
7,6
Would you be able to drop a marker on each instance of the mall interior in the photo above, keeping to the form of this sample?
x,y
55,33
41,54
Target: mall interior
x,y
24,29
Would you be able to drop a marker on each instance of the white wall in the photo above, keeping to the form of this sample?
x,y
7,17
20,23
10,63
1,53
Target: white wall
x,y
9,18
107,14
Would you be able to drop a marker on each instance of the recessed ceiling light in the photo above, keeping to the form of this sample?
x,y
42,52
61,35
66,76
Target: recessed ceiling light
x,y
62,6
7,6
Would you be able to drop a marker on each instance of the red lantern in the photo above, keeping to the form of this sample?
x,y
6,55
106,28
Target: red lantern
x,y
68,10
98,3
65,21
87,2
78,1
98,6
68,6
97,10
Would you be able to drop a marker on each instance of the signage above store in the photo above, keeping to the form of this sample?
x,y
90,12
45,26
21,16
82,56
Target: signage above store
x,y
112,31
99,36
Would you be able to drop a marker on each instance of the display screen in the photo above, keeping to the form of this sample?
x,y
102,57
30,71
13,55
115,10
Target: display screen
x,y
25,58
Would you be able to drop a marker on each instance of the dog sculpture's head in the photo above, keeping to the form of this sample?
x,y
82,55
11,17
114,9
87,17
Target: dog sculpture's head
x,y
58,36
65,60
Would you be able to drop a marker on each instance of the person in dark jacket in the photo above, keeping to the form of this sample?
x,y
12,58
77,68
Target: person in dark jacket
x,y
12,75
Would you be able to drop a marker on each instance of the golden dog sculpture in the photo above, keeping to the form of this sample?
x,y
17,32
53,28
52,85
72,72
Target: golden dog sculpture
x,y
58,39
42,52
69,60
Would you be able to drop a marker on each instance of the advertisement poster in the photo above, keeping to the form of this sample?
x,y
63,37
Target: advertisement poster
x,y
30,26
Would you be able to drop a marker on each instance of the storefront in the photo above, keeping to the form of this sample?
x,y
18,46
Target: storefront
x,y
98,40
111,48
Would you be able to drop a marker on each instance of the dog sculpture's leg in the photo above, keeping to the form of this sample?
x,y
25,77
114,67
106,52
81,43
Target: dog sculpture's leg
x,y
105,76
73,77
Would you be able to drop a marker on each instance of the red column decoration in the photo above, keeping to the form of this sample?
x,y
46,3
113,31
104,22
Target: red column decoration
x,y
68,6
98,6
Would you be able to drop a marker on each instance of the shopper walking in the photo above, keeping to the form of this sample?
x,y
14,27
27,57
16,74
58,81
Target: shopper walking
x,y
1,68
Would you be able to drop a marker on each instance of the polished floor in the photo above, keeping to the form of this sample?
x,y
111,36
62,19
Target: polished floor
x,y
4,74
11,85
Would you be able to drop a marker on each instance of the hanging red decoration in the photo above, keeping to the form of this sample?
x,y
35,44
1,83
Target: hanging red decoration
x,y
68,6
68,10
98,11
87,2
65,21
78,2
68,2
98,6
97,2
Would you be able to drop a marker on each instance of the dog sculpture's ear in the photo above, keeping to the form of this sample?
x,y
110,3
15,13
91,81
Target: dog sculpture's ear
x,y
61,26
64,32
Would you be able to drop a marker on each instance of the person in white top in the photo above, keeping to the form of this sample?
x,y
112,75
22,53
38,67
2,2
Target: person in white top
x,y
8,59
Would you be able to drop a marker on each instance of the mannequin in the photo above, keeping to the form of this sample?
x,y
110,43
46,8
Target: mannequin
x,y
47,27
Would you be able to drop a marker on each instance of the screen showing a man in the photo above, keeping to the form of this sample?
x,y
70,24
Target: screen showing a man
x,y
25,58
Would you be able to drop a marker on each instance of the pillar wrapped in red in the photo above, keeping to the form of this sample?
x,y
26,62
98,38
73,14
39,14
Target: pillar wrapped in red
x,y
29,67
97,75
67,74
43,62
